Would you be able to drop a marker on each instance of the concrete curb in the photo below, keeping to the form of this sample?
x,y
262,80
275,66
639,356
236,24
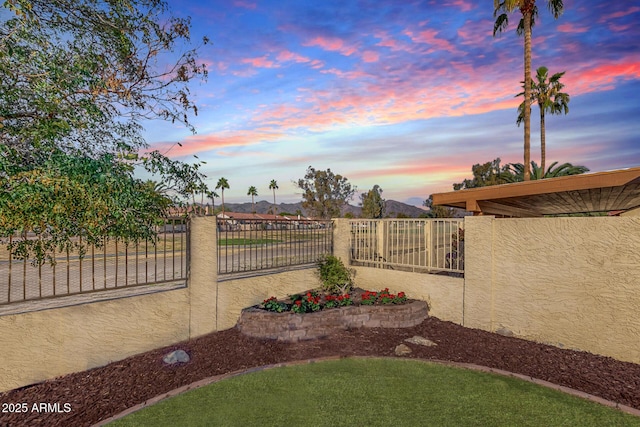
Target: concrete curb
x,y
471,366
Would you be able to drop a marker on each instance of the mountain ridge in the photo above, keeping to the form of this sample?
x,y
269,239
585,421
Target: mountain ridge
x,y
392,208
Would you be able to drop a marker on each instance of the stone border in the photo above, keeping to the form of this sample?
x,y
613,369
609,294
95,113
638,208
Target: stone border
x,y
292,327
473,367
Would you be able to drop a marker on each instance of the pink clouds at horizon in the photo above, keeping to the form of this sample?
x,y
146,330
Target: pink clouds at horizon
x,y
392,104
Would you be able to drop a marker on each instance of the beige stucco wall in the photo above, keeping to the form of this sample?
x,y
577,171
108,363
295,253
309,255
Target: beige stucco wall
x,y
571,282
632,212
566,281
44,344
234,295
442,293
76,333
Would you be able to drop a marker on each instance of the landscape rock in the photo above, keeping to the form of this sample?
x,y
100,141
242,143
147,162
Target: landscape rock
x,y
402,350
504,332
421,341
177,356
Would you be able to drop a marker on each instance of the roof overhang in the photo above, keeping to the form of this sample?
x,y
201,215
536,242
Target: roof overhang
x,y
591,192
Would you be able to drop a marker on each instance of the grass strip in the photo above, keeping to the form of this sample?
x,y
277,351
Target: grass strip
x,y
376,392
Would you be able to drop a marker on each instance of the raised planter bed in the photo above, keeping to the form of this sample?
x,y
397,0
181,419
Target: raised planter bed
x,y
292,327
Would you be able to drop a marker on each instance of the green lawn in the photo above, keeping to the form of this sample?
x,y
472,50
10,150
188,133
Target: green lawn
x,y
245,241
375,392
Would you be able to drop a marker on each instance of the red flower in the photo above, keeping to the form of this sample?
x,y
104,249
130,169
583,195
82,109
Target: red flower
x,y
298,303
401,295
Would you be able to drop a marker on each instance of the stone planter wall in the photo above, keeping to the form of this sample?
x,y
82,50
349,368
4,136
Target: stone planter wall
x,y
293,327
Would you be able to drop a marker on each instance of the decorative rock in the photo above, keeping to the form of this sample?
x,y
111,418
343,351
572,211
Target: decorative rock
x,y
177,356
402,350
421,341
505,332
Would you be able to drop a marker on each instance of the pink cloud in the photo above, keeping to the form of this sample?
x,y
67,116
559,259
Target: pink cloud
x,y
370,56
603,77
476,33
621,28
463,5
286,55
332,44
394,44
619,14
260,62
245,4
429,36
572,28
198,143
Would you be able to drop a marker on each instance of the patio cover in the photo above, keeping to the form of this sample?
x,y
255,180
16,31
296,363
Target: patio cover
x,y
590,192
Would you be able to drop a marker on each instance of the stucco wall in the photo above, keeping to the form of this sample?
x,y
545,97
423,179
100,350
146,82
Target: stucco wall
x,y
234,295
571,282
76,333
442,293
44,344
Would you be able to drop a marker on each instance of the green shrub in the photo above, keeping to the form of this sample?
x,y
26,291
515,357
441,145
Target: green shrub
x,y
335,277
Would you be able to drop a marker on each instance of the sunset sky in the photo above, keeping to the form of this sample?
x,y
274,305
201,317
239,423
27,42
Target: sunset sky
x,y
404,94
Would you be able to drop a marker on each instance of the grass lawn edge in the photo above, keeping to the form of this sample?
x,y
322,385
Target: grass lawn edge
x,y
470,366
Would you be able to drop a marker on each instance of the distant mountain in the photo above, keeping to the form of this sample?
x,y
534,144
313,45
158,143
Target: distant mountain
x,y
393,208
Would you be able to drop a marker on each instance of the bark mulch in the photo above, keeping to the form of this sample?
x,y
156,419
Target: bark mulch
x,y
100,393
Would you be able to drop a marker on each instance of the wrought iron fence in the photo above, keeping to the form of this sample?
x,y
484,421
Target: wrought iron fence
x,y
113,265
246,245
427,245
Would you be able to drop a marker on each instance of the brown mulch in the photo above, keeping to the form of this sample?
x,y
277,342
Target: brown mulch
x,y
100,393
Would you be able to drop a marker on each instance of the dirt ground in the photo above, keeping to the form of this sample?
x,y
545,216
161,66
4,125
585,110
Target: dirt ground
x,y
100,393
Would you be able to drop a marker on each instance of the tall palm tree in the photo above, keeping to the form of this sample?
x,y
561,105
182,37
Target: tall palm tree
x,y
547,92
529,11
212,195
274,186
253,191
222,184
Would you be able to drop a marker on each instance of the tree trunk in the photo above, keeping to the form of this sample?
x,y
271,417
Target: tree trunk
x,y
543,148
274,201
527,91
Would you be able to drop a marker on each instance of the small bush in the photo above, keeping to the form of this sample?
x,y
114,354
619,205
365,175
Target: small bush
x,y
335,277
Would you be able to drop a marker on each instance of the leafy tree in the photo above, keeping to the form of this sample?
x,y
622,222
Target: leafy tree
x,y
273,185
324,193
253,191
529,11
489,173
438,211
547,92
372,203
222,184
77,79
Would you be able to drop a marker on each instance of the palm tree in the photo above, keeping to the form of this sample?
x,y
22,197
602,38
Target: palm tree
x,y
516,171
529,11
550,98
253,191
212,195
274,186
222,184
